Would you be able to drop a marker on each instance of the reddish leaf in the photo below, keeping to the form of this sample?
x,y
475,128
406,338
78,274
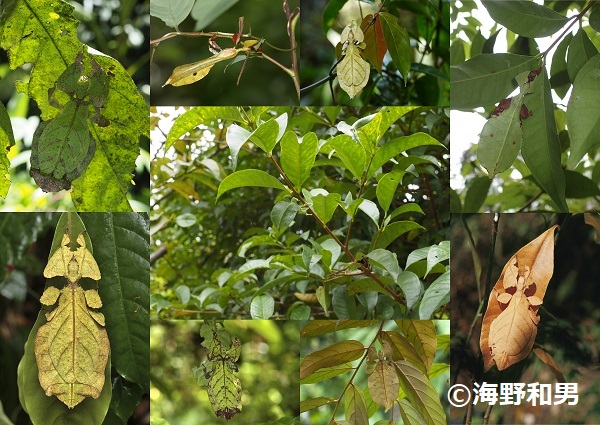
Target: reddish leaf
x,y
375,41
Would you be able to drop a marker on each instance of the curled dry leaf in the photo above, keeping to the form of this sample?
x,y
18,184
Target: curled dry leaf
x,y
510,323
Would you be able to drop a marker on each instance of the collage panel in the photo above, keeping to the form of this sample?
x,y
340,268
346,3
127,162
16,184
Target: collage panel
x,y
524,301
382,53
224,53
232,371
74,93
525,93
371,371
74,333
298,213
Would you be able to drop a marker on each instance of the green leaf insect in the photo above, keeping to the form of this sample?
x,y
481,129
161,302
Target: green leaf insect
x,y
217,374
71,349
63,147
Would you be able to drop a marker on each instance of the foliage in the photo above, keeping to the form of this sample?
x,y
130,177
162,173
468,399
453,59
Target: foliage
x,y
539,148
267,369
326,239
568,328
401,364
101,174
406,44
256,53
120,244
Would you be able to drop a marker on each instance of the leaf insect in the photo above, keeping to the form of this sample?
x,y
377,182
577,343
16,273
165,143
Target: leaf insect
x,y
193,72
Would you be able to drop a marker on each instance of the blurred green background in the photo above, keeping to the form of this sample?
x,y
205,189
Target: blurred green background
x,y
268,370
116,28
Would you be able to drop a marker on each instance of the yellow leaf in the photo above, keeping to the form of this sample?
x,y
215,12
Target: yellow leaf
x,y
72,264
192,72
510,323
71,350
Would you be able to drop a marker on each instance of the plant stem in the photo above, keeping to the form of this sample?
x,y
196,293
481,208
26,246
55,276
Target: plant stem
x,y
292,20
398,298
576,18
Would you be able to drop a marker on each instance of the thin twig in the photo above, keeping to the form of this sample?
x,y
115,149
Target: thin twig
x,y
577,18
486,415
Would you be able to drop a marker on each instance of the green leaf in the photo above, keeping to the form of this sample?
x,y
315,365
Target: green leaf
x,y
283,214
476,193
485,79
327,373
583,113
421,393
595,18
406,208
183,293
525,17
191,119
411,288
298,156
321,327
409,414
265,136
43,409
262,307
351,153
387,260
579,186
581,50
437,254
300,312
243,178
186,220
313,403
393,231
386,188
541,147
436,295
356,409
365,285
7,140
457,52
334,355
558,70
172,13
370,209
421,334
395,147
206,11
397,41
121,248
325,205
501,137
370,134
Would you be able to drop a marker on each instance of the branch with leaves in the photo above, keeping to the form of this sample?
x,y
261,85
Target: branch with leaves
x,y
339,267
397,364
